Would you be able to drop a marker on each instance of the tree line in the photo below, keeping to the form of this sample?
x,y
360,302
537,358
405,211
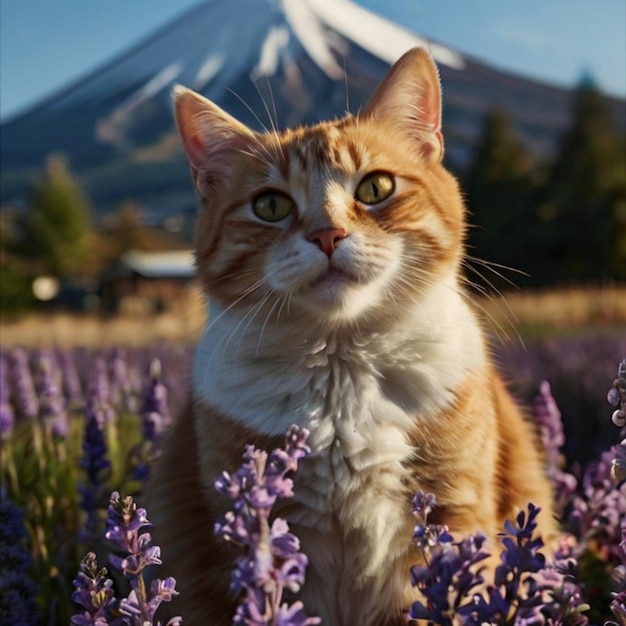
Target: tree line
x,y
559,222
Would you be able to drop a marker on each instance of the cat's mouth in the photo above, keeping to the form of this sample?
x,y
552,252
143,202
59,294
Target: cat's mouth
x,y
333,276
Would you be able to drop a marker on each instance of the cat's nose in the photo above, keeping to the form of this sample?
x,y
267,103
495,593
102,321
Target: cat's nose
x,y
327,239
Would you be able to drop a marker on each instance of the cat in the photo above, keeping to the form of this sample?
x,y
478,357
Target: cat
x,y
331,257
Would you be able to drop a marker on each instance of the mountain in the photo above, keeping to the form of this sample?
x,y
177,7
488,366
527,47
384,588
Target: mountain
x,y
267,62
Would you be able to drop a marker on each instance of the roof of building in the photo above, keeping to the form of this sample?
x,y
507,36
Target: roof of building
x,y
170,264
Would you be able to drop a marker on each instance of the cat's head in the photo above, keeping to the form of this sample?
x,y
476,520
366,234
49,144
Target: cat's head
x,y
338,221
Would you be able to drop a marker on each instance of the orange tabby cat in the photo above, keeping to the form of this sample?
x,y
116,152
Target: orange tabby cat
x,y
331,256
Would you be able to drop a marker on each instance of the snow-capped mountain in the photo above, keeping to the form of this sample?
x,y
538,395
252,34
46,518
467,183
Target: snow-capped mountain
x,y
268,62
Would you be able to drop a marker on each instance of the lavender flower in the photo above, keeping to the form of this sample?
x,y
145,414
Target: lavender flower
x,y
126,526
618,604
94,592
524,590
618,464
51,403
155,418
271,561
100,392
617,396
121,385
94,463
597,509
547,416
72,387
7,418
155,414
448,565
17,591
24,390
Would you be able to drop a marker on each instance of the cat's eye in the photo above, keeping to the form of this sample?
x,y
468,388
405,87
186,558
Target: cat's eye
x,y
272,206
375,188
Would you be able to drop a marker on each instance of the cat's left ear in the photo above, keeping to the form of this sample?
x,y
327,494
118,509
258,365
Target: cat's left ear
x,y
410,96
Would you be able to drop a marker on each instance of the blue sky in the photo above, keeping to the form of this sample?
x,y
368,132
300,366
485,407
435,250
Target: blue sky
x,y
46,44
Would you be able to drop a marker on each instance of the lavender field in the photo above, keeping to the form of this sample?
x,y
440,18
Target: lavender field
x,y
78,424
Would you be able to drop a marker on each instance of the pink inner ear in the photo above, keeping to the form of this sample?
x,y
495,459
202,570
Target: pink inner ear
x,y
195,149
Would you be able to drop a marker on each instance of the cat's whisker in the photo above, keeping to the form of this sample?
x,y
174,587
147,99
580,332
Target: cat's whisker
x,y
499,329
250,109
235,302
225,340
275,154
498,300
285,301
267,318
255,311
494,268
273,120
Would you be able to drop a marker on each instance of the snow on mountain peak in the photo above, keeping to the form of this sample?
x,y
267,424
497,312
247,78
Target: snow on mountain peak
x,y
379,36
307,25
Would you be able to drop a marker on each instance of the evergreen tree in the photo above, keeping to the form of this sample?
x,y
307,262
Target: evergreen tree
x,y
585,201
500,190
57,223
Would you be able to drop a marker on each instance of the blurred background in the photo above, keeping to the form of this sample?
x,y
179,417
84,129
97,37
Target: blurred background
x,y
97,207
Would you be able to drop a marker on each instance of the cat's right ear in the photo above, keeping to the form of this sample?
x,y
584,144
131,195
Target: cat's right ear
x,y
410,97
209,136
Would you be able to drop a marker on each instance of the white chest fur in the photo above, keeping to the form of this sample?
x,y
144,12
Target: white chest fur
x,y
358,395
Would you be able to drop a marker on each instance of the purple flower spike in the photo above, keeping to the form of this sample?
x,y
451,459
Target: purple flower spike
x,y
24,390
96,465
155,415
7,418
72,387
617,396
547,416
125,530
523,592
155,408
155,419
100,392
272,561
618,465
94,593
51,401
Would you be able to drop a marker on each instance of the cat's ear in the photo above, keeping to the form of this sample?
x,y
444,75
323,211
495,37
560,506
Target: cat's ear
x,y
209,136
410,96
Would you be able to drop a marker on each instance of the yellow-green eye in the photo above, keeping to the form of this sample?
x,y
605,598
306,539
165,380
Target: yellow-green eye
x,y
272,206
375,188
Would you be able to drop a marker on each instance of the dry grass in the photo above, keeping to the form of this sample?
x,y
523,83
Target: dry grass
x,y
92,330
550,310
571,308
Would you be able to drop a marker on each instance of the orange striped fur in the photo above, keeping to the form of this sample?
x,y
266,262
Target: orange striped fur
x,y
331,259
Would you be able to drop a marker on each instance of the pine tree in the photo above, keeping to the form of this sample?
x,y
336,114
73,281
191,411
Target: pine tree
x,y
585,200
57,223
500,190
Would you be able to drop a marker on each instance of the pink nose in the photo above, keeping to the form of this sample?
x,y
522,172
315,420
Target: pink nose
x,y
327,239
